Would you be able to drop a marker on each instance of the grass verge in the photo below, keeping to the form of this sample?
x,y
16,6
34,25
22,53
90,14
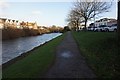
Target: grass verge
x,y
35,64
101,52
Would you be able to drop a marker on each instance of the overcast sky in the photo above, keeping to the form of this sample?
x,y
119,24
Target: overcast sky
x,y
44,13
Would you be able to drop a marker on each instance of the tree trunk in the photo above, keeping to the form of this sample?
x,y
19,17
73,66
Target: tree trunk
x,y
77,24
85,24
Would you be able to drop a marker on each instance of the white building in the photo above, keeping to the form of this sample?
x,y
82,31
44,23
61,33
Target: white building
x,y
105,21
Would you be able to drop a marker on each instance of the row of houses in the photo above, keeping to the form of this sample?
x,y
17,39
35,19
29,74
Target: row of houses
x,y
9,23
104,21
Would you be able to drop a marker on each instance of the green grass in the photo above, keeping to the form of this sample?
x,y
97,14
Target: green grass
x,y
100,50
35,64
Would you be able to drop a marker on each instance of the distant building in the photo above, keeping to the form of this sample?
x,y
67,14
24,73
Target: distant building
x,y
2,23
82,25
35,26
114,21
41,27
23,25
105,21
18,24
31,25
9,23
91,25
28,25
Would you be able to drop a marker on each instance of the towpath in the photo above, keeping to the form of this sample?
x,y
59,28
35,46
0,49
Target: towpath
x,y
69,62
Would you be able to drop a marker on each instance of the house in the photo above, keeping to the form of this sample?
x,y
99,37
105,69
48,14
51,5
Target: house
x,y
23,25
40,27
9,23
2,23
28,25
35,26
105,21
31,25
114,21
101,22
18,24
91,25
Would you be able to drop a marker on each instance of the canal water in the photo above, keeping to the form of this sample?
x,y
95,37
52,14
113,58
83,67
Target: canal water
x,y
14,48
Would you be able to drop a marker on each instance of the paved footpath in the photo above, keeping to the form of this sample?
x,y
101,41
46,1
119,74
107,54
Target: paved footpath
x,y
69,62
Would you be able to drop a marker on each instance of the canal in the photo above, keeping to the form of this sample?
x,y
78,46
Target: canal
x,y
15,47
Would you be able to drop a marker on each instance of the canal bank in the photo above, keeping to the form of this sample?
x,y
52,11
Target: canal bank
x,y
34,63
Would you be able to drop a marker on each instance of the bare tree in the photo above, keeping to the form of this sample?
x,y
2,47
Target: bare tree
x,y
74,19
89,8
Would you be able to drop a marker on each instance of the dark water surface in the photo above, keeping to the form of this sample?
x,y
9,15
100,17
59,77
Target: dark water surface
x,y
14,48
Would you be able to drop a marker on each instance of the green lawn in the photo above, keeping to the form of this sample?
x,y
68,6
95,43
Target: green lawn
x,y
101,52
36,63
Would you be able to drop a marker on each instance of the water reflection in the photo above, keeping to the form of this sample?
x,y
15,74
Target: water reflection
x,y
13,48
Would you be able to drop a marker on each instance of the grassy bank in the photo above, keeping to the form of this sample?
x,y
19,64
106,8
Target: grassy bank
x,y
35,64
101,52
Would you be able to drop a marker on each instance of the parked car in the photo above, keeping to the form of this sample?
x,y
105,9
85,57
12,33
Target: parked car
x,y
96,28
101,28
111,28
89,28
92,28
